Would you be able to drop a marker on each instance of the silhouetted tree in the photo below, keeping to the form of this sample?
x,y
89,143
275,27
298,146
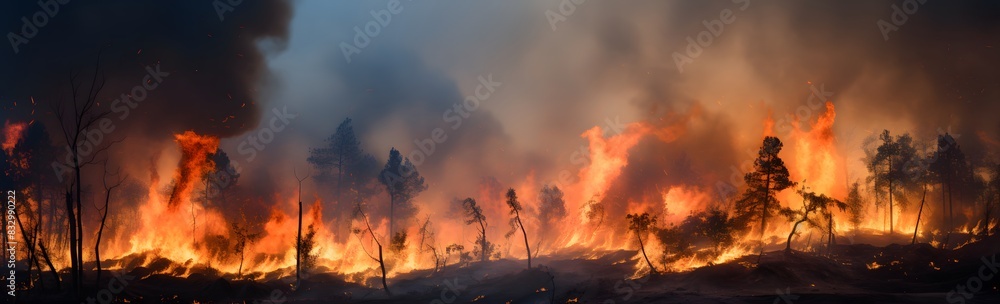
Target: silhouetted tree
x,y
339,158
245,235
25,170
856,206
427,240
402,182
474,214
712,227
768,178
222,176
359,214
84,115
104,215
641,224
812,203
300,251
892,168
951,170
515,222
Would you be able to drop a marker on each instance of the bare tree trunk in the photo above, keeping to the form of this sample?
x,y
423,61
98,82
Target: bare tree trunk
x,y
891,226
517,215
381,264
100,232
298,237
917,226
643,249
763,214
788,243
48,261
72,241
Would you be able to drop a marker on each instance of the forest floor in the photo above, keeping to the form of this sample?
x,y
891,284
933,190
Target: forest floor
x,y
858,273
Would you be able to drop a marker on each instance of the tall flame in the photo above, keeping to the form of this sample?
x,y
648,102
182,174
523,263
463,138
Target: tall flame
x,y
195,162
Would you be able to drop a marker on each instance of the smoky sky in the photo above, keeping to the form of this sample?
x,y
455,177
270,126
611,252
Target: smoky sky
x,y
215,64
606,60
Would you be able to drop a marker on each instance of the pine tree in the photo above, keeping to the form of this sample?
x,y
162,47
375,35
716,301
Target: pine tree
x,y
769,177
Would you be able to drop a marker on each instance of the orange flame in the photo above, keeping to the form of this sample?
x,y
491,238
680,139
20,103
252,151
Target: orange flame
x,y
12,135
195,162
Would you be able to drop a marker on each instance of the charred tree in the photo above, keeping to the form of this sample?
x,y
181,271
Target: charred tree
x,y
952,171
812,203
359,213
298,236
104,217
642,224
515,223
83,115
475,216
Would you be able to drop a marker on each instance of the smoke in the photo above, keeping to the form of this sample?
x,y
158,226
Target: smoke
x,y
209,59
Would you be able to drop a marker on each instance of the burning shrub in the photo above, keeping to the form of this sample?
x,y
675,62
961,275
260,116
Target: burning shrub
x,y
307,254
704,235
594,210
398,242
551,207
463,257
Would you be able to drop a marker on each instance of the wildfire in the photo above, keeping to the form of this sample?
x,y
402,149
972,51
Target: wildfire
x,y
816,158
195,162
12,135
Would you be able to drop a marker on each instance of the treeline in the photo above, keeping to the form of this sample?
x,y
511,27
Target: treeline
x,y
901,172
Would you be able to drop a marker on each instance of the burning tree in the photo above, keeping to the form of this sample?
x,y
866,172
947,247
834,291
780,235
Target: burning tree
x,y
551,210
856,206
26,149
221,177
893,163
641,224
952,172
769,176
475,215
713,226
812,203
243,236
359,214
402,182
515,222
427,240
